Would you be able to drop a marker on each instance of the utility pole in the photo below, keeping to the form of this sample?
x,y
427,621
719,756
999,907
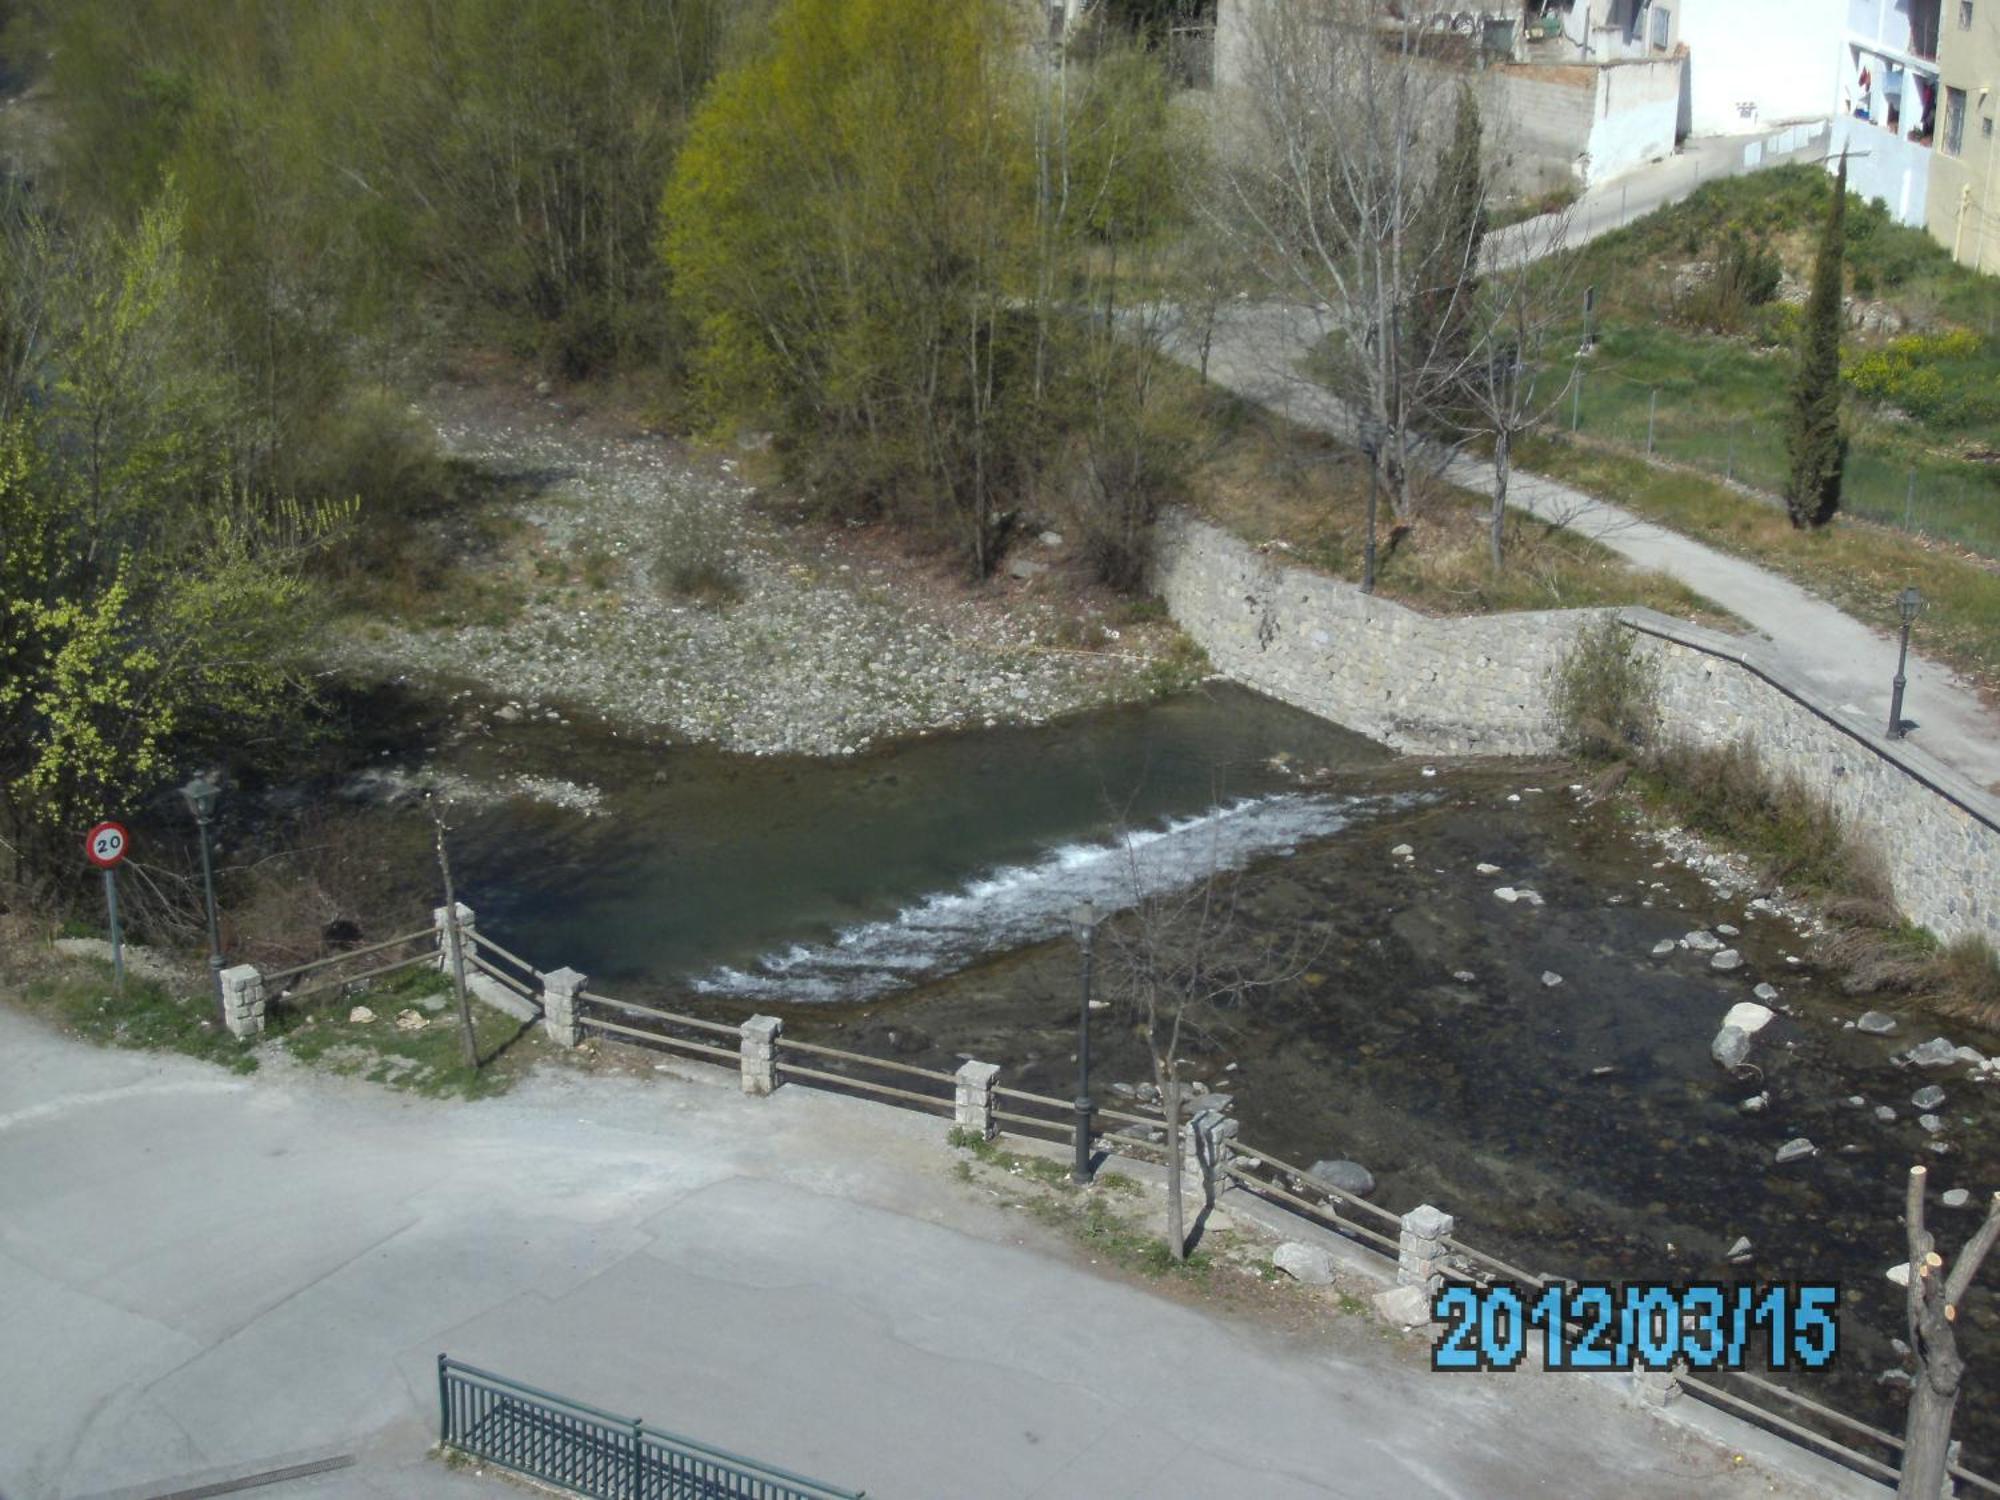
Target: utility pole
x,y
456,939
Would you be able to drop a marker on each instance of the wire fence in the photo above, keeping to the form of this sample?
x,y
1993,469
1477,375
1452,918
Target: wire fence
x,y
1678,421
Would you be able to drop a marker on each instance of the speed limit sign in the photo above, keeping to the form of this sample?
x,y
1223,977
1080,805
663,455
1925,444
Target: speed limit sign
x,y
105,845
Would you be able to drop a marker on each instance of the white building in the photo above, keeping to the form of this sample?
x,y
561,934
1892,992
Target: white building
x,y
1753,64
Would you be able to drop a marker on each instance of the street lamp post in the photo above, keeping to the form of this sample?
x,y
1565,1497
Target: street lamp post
x,y
201,795
1084,920
1907,604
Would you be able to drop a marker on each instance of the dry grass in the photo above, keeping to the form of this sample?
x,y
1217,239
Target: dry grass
x,y
1270,482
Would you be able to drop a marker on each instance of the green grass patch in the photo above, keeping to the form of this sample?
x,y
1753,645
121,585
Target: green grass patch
x,y
82,999
1923,401
426,1061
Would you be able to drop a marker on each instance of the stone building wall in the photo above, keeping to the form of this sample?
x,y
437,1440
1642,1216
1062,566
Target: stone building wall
x,y
1482,686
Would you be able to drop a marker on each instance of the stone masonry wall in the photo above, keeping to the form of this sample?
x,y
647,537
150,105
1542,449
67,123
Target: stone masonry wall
x,y
1482,686
1476,686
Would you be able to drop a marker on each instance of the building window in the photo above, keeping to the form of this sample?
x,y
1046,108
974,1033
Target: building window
x,y
1662,21
1954,121
1965,15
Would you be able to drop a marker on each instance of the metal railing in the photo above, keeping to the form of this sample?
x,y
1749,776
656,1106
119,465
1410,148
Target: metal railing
x,y
589,1452
1266,1176
331,973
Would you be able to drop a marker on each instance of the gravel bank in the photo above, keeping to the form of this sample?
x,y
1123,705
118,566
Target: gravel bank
x,y
837,640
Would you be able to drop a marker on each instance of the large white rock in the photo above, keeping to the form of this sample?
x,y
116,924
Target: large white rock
x,y
1307,1264
1748,1017
1405,1306
1702,942
1730,1047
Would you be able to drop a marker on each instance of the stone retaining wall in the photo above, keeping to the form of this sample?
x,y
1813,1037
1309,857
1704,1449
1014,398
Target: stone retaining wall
x,y
1481,686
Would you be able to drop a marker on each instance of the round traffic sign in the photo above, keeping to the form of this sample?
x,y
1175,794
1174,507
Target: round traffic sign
x,y
106,844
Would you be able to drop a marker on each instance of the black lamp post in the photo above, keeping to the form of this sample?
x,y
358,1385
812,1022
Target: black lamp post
x,y
1084,920
201,795
1907,604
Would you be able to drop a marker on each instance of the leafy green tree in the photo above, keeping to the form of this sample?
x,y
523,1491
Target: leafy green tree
x,y
1815,439
847,274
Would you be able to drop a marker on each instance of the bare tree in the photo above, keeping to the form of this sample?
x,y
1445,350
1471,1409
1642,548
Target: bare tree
x,y
1328,178
1516,375
1935,1295
1175,966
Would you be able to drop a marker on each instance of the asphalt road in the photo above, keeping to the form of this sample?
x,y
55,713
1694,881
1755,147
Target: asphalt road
x,y
200,1272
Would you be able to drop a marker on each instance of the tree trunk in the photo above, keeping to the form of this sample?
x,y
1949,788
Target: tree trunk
x,y
1500,455
1926,1440
1170,1095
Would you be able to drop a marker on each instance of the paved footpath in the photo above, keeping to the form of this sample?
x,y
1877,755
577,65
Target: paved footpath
x,y
200,1272
1256,352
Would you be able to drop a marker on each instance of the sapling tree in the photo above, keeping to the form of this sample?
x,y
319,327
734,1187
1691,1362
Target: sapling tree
x,y
1176,966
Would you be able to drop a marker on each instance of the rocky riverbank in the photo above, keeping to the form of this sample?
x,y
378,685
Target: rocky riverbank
x,y
825,640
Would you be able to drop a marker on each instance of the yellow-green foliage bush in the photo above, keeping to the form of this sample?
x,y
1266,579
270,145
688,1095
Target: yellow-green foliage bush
x,y
1934,377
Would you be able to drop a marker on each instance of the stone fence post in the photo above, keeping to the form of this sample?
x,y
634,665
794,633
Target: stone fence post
x,y
466,933
972,1106
1420,1259
559,992
243,1000
760,1054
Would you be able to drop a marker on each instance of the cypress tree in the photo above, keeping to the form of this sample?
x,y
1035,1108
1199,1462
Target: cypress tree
x,y
1814,439
1451,231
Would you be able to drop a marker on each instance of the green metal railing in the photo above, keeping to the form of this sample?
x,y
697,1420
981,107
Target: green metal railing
x,y
590,1452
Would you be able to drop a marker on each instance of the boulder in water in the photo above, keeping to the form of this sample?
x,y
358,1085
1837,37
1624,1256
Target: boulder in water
x,y
1748,1017
1795,1149
1727,959
1936,1053
1731,1047
1702,942
1348,1176
1663,947
1875,1023
1930,1096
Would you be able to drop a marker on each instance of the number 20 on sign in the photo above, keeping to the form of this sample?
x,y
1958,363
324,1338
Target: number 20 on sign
x,y
105,846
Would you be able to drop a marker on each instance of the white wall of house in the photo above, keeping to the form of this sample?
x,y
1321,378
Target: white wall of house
x,y
1885,166
1637,107
1753,64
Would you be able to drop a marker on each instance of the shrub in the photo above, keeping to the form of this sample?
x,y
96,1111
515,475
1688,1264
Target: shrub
x,y
1606,695
691,557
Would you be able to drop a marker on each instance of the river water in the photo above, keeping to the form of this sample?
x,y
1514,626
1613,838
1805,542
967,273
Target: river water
x,y
913,903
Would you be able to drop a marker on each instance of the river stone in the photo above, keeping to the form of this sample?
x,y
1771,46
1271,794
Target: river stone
x,y
1663,947
1899,1273
1730,1047
1740,1251
1748,1017
1307,1264
1463,976
1486,869
1727,931
361,1015
1875,1023
1768,993
1969,1055
1402,851
1702,942
1794,1150
1931,1123
1936,1053
1884,1113
1955,1198
1728,958
1507,893
1930,1096
1756,1104
507,713
1348,1176
1855,1101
